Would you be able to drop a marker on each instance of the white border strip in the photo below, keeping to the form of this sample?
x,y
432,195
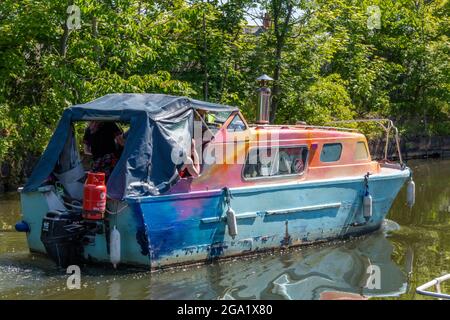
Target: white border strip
x,y
306,208
245,215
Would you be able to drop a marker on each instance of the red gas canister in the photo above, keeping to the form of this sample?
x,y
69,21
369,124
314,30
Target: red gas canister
x,y
94,200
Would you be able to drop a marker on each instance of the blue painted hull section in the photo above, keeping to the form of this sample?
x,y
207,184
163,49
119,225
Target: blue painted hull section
x,y
177,229
192,229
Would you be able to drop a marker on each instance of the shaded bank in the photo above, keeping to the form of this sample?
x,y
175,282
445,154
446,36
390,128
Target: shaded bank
x,y
413,147
14,174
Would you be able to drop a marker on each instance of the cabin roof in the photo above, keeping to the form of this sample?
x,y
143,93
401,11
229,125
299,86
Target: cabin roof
x,y
301,132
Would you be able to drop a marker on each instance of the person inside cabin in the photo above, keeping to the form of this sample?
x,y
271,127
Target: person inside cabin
x,y
290,161
208,121
104,141
191,166
206,116
285,163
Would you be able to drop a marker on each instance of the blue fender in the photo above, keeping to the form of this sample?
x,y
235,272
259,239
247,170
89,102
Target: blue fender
x,y
22,226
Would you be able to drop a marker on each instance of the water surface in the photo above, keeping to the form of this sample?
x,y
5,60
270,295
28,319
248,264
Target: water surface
x,y
412,248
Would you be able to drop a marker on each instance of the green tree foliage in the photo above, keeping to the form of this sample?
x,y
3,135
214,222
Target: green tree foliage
x,y
327,62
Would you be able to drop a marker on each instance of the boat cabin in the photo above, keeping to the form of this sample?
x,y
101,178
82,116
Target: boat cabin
x,y
165,132
242,154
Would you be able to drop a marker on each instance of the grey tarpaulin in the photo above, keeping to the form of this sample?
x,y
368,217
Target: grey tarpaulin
x,y
159,125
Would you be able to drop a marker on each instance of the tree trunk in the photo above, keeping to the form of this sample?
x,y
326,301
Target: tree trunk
x,y
205,61
281,23
94,27
276,84
65,36
64,40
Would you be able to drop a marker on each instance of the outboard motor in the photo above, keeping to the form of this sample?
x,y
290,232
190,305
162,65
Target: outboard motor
x,y
62,234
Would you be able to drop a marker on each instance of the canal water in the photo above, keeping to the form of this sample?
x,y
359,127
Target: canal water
x,y
412,248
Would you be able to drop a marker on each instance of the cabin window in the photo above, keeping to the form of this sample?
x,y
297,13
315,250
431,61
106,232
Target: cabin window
x,y
361,152
237,124
210,121
331,152
275,162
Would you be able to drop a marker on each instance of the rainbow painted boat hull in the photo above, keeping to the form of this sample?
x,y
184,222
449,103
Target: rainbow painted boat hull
x,y
190,228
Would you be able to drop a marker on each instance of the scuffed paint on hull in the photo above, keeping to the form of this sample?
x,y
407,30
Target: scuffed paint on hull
x,y
186,230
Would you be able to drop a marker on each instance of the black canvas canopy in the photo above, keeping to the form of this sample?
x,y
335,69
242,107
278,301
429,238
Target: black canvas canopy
x,y
159,126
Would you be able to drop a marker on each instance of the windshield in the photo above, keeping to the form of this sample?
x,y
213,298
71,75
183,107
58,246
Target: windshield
x,y
213,120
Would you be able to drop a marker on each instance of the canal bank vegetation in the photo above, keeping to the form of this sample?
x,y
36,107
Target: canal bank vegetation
x,y
329,60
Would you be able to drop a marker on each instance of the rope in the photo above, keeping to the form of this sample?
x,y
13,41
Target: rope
x,y
72,205
366,182
108,211
117,211
227,196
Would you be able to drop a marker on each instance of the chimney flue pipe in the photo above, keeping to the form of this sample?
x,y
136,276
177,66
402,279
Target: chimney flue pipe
x,y
264,99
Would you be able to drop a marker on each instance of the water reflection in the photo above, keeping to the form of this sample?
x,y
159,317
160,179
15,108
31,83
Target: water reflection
x,y
9,211
422,245
302,274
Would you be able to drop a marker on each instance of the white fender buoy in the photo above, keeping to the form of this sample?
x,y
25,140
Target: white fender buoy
x,y
232,223
411,193
114,246
367,206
